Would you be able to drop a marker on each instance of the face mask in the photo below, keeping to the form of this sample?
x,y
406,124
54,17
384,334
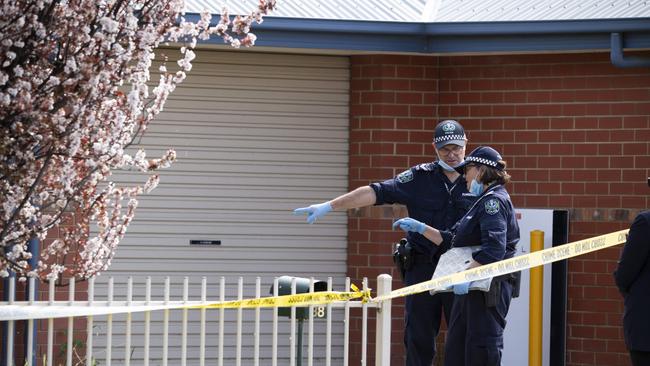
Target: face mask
x,y
445,166
476,188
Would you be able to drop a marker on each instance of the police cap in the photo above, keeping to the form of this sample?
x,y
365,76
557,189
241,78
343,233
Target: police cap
x,y
449,132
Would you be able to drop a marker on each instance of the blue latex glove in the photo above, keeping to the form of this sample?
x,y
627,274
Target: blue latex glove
x,y
409,224
314,211
461,288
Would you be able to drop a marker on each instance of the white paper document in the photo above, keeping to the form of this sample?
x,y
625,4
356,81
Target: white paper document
x,y
456,260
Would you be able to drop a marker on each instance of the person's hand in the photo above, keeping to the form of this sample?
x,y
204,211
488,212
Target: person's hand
x,y
409,224
314,211
461,288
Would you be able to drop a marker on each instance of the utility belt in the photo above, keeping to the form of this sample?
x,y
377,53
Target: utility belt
x,y
405,257
493,296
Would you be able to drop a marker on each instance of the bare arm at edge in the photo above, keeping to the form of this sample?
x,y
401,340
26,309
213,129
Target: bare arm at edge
x,y
360,197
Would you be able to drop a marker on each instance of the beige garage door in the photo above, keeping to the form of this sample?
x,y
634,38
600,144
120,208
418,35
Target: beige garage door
x,y
256,135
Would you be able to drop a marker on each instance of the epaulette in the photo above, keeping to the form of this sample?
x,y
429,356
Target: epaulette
x,y
426,166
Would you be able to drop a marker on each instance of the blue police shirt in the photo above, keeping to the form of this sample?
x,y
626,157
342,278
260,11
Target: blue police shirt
x,y
490,223
429,197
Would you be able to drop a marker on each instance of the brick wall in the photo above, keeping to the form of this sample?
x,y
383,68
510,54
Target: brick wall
x,y
574,129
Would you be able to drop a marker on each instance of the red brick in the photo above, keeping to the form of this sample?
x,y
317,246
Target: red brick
x,y
586,123
640,148
537,175
408,149
594,162
550,110
469,98
609,201
548,162
492,97
581,331
423,85
409,71
503,110
610,123
537,201
598,136
562,149
622,135
360,84
377,123
561,123
537,123
563,201
549,188
573,162
421,111
526,136
550,136
390,84
513,149
376,148
588,95
408,98
562,96
515,97
378,97
610,149
373,71
609,175
574,83
635,122
396,110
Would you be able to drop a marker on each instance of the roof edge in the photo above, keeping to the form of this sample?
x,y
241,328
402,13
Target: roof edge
x,y
427,37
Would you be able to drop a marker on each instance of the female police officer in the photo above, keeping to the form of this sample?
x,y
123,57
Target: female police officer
x,y
475,335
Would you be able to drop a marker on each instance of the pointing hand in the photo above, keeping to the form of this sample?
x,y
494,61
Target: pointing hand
x,y
314,211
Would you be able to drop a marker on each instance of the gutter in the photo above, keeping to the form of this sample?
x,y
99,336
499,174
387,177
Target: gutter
x,y
617,57
427,38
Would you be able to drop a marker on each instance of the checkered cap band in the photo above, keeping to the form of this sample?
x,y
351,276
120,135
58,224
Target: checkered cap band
x,y
483,161
449,138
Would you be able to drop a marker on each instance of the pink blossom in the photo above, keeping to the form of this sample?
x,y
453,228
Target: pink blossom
x,y
68,123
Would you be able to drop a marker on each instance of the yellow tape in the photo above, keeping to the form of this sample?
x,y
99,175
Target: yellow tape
x,y
42,310
515,264
314,298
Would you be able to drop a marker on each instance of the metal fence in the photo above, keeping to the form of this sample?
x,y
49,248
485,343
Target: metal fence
x,y
183,336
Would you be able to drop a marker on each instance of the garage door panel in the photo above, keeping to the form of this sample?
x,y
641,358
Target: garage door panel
x,y
216,130
256,135
249,242
242,119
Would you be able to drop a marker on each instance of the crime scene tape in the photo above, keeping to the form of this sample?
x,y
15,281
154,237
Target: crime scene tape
x,y
42,310
518,263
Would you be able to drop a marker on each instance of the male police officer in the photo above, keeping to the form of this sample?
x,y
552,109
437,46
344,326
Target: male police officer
x,y
432,193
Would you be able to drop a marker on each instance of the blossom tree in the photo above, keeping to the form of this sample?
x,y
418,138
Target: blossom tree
x,y
75,101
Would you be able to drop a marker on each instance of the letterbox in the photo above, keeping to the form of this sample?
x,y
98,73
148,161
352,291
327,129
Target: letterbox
x,y
302,286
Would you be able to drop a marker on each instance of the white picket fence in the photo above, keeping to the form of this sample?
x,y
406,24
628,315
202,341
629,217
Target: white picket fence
x,y
203,336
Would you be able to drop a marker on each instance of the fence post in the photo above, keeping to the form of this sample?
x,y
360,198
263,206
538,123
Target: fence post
x,y
382,340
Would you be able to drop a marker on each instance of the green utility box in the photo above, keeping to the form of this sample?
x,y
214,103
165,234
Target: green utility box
x,y
302,287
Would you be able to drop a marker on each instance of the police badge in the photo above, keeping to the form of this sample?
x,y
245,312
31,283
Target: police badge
x,y
448,127
492,206
405,176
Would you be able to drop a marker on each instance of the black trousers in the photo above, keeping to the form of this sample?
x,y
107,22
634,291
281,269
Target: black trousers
x,y
423,315
475,334
640,358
